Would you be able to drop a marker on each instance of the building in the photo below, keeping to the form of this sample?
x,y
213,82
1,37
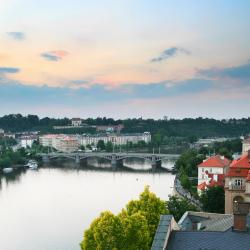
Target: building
x,y
50,140
76,122
237,182
212,171
27,141
10,135
119,139
110,128
200,231
60,142
67,144
209,141
1,132
245,145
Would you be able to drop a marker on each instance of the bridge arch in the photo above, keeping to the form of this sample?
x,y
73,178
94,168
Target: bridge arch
x,y
95,156
61,156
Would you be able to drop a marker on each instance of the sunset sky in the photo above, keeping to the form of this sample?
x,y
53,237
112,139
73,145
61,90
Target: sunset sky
x,y
125,58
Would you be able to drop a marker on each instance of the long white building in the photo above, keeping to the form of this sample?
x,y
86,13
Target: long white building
x,y
70,143
120,139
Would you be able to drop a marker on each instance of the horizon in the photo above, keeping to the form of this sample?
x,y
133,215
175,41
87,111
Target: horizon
x,y
166,118
125,58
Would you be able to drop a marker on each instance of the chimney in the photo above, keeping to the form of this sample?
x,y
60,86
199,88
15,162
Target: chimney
x,y
241,210
248,152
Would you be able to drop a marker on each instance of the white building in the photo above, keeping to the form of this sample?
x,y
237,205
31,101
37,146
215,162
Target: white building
x,y
245,145
27,141
1,131
115,139
76,122
212,171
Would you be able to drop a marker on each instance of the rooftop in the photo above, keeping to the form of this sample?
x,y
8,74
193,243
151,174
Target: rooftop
x,y
200,240
215,161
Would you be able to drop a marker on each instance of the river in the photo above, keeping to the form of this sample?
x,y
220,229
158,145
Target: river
x,y
50,208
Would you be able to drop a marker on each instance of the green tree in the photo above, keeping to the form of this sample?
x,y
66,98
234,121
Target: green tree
x,y
135,231
178,206
151,207
213,200
132,229
101,145
109,146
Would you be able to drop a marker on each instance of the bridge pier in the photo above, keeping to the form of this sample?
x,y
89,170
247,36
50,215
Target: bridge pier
x,y
113,161
155,163
77,159
45,159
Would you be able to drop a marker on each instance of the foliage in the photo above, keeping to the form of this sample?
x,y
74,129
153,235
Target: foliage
x,y
8,157
213,199
178,206
185,181
161,129
101,145
133,228
150,206
188,161
109,146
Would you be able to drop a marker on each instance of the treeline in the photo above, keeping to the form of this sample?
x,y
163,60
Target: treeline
x,y
162,129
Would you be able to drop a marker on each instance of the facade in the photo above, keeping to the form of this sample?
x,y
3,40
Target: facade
x,y
120,139
237,182
212,171
245,145
60,142
27,141
110,128
70,143
10,135
76,122
67,144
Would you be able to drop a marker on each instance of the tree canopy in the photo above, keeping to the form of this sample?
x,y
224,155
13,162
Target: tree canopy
x,y
178,206
133,228
213,199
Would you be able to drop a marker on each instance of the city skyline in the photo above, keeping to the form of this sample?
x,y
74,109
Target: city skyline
x,y
125,58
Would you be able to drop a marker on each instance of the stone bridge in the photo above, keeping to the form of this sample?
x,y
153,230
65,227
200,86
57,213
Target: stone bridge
x,y
114,158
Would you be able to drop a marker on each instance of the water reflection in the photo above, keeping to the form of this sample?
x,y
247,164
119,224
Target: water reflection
x,y
51,207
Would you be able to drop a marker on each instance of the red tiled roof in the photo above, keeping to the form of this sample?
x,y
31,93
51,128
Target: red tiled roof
x,y
212,183
242,162
237,172
202,186
248,176
215,161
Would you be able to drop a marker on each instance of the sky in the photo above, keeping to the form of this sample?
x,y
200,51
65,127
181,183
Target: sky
x,y
125,58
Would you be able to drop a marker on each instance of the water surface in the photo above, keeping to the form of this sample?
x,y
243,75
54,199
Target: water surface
x,y
49,209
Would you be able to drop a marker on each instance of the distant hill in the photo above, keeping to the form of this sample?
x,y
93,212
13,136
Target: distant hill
x,y
188,127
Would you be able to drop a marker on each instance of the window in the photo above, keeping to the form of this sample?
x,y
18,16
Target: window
x,y
211,170
238,182
202,170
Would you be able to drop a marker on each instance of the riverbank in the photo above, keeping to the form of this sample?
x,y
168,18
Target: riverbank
x,y
179,191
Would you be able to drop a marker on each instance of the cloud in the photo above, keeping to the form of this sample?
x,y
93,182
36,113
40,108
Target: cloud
x,y
9,70
78,83
151,99
16,35
55,55
240,72
169,53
